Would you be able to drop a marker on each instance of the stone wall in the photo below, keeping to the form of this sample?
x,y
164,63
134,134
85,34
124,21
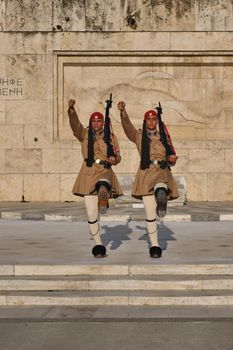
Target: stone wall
x,y
178,52
115,15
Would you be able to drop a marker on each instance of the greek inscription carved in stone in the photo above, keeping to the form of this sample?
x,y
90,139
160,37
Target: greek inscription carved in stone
x,y
11,86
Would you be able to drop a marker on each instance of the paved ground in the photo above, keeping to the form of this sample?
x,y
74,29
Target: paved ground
x,y
43,242
72,211
91,328
72,314
115,336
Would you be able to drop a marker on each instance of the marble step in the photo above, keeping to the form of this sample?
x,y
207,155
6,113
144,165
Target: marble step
x,y
118,283
100,269
120,298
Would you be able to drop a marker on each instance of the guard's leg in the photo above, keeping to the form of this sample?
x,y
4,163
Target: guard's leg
x,y
91,203
161,192
103,189
151,225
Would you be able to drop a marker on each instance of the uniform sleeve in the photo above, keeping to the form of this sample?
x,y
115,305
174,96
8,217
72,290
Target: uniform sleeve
x,y
76,125
128,127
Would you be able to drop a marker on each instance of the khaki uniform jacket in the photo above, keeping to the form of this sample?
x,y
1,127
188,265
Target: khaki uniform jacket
x,y
89,176
146,179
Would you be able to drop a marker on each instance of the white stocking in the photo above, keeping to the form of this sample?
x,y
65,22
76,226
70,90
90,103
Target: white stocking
x,y
91,203
151,224
159,185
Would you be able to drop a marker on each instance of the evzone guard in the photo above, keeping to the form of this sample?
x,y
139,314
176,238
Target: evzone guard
x,y
154,182
96,181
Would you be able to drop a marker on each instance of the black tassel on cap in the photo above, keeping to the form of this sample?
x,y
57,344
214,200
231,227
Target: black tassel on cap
x,y
90,149
145,149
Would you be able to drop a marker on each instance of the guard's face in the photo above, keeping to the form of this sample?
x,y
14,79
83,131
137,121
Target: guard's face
x,y
151,122
97,124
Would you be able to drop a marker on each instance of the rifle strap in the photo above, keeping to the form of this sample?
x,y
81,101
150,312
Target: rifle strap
x,y
169,139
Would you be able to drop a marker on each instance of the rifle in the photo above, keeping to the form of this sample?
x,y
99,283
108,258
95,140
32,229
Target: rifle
x,y
164,135
107,132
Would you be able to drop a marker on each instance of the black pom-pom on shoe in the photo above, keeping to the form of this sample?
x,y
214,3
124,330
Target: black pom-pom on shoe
x,y
155,252
99,251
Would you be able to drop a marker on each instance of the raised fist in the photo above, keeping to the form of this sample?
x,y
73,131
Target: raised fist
x,y
121,106
71,103
172,159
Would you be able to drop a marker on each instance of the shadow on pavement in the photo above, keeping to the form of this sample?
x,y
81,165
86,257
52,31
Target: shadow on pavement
x,y
116,235
165,234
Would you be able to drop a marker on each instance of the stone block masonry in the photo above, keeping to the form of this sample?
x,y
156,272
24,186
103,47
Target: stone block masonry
x,y
179,53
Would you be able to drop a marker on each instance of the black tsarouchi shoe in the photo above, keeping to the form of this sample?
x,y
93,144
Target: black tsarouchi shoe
x,y
161,199
155,252
99,251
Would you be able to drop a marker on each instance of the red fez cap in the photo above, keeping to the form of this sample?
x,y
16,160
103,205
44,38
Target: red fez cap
x,y
96,116
150,113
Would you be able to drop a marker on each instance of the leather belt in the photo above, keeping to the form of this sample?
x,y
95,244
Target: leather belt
x,y
155,162
163,163
102,162
99,161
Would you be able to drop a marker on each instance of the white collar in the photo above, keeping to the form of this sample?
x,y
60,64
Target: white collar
x,y
151,132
